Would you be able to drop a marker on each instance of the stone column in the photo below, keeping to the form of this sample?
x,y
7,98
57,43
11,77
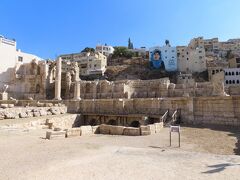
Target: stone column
x,y
77,91
58,79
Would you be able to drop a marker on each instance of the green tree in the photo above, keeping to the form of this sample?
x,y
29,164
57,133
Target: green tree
x,y
130,44
88,49
121,51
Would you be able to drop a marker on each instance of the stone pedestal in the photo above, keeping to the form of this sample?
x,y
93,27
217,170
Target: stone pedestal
x,y
4,96
58,80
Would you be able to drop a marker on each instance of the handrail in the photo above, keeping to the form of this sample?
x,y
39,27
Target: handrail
x,y
164,116
175,116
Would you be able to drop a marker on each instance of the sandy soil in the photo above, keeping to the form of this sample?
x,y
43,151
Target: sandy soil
x,y
205,153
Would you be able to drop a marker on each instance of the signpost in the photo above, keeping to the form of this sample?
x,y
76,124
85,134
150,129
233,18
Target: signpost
x,y
177,130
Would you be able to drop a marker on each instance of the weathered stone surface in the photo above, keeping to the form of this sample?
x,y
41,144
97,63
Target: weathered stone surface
x,y
23,115
55,134
95,129
152,128
10,105
55,111
36,113
104,129
48,104
158,127
2,115
29,114
73,132
11,115
116,130
86,130
129,131
43,112
4,106
145,130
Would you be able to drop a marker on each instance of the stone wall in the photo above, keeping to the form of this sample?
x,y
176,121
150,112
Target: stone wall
x,y
216,110
9,112
199,110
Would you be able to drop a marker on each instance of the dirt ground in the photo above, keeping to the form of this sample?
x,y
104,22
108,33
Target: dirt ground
x,y
205,153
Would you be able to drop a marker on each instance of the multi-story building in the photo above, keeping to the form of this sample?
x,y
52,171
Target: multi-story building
x,y
211,46
10,57
216,48
232,76
168,56
191,58
89,63
215,67
104,49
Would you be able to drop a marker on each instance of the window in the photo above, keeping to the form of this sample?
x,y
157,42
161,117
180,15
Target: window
x,y
213,71
233,81
187,52
200,51
200,57
226,73
236,73
226,81
165,57
20,59
230,82
237,81
187,59
95,65
173,51
229,73
165,50
182,56
233,73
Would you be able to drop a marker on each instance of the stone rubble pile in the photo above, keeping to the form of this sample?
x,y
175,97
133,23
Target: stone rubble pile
x,y
27,112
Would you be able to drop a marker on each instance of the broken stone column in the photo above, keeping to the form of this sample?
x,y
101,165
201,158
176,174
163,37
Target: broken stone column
x,y
58,79
77,90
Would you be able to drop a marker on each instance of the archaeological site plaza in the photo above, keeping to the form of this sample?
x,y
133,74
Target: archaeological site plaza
x,y
95,115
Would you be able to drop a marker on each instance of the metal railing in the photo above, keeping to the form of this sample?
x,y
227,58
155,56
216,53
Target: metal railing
x,y
176,116
165,116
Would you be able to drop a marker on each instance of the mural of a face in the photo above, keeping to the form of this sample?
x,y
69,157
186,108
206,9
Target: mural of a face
x,y
156,60
156,56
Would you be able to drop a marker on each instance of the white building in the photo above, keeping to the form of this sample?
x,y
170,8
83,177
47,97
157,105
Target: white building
x,y
105,50
89,63
232,76
168,56
9,58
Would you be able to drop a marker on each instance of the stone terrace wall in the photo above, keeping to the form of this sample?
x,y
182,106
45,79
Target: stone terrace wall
x,y
198,110
150,106
217,110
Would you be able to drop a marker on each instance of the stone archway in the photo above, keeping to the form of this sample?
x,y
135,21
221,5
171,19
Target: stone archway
x,y
93,122
112,122
135,124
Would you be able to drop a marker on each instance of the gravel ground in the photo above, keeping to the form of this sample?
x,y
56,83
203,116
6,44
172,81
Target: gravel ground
x,y
205,153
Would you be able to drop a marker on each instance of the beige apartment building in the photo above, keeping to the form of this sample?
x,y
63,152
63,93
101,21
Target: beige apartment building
x,y
191,58
214,47
89,63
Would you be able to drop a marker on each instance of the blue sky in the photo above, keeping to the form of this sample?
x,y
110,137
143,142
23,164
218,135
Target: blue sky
x,y
49,28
